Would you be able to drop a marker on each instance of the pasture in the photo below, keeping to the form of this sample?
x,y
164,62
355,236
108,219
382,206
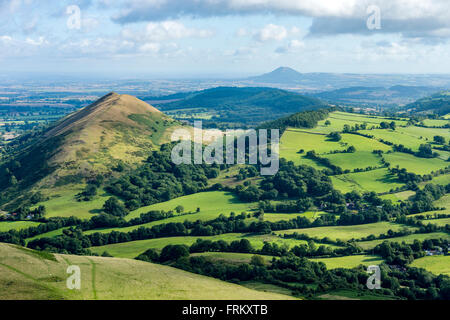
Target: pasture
x,y
434,264
415,164
379,181
349,262
348,232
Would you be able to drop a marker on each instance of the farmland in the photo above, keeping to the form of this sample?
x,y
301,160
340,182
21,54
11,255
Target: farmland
x,y
350,261
434,264
348,232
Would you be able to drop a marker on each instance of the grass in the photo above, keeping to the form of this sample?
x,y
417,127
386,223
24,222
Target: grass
x,y
399,196
415,164
443,202
50,234
6,226
434,264
357,160
366,245
62,203
442,180
265,287
349,262
275,217
26,276
435,122
348,232
134,248
380,181
397,137
212,204
438,222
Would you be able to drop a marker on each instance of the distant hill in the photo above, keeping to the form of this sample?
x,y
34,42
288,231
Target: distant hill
x,y
438,103
116,128
376,95
280,75
243,105
32,275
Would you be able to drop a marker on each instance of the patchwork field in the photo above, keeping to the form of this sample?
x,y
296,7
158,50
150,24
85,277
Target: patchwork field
x,y
350,261
349,232
357,160
380,180
16,225
274,217
407,239
415,164
434,264
64,204
211,205
397,137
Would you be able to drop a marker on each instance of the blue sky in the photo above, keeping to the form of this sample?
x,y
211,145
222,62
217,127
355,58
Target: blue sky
x,y
167,38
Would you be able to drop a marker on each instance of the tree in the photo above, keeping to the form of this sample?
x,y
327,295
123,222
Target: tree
x,y
328,123
335,136
393,125
257,261
439,139
174,252
179,209
114,207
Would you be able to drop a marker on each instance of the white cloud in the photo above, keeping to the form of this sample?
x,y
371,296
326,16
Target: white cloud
x,y
272,32
293,46
167,30
37,42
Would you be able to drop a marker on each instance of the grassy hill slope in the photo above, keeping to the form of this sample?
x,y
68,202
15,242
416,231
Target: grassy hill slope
x,y
27,274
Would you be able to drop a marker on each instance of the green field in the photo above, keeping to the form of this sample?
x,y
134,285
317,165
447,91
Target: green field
x,y
380,181
434,264
5,226
211,205
435,122
415,164
50,234
64,204
407,239
134,248
442,180
397,137
357,160
438,222
399,196
29,275
348,232
275,217
349,262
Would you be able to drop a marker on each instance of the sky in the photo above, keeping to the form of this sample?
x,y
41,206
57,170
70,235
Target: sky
x,y
166,38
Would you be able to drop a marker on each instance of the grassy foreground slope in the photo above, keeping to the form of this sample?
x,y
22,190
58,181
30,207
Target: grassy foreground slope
x,y
26,274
